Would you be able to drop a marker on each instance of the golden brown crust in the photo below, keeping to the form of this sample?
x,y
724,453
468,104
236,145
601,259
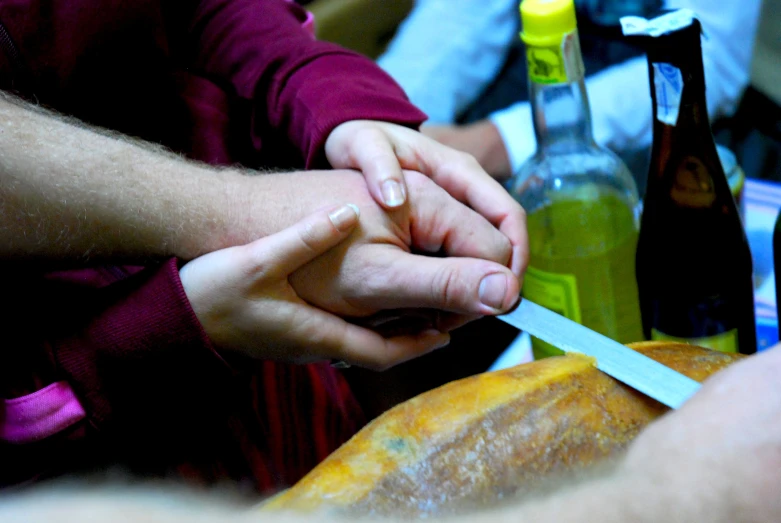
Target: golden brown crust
x,y
482,438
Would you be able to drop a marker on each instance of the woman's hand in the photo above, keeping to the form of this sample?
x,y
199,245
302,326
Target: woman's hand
x,y
243,299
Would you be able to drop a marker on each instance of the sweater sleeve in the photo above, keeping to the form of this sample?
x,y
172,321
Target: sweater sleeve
x,y
136,355
295,85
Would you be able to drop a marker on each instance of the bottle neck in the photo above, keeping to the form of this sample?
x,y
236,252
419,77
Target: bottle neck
x,y
562,117
685,164
678,87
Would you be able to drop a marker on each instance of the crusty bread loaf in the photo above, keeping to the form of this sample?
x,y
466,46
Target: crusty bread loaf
x,y
477,440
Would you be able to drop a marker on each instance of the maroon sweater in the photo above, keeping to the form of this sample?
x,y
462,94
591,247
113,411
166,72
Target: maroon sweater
x,y
223,81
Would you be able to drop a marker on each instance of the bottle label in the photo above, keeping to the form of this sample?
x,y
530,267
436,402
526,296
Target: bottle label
x,y
668,84
668,81
556,64
546,65
693,186
724,342
554,291
557,292
637,25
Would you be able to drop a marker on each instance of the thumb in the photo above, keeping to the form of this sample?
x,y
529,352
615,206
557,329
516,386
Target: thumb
x,y
453,284
286,251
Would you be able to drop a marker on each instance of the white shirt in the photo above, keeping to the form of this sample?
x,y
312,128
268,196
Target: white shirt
x,y
447,52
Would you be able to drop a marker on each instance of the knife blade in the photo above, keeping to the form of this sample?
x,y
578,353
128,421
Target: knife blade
x,y
627,366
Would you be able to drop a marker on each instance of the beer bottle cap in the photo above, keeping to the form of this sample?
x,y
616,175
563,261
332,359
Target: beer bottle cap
x,y
547,22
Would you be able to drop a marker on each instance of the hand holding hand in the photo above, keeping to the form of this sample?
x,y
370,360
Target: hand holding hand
x,y
434,253
243,299
382,150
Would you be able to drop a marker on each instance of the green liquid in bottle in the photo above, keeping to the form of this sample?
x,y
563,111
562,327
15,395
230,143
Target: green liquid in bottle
x,y
583,266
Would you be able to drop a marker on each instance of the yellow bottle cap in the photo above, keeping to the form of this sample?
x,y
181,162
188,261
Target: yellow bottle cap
x,y
546,22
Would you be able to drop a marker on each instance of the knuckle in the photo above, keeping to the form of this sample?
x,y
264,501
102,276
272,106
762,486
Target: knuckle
x,y
447,287
372,135
310,236
471,159
505,250
416,181
468,160
498,247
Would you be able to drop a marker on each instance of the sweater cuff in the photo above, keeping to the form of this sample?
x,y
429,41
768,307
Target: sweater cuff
x,y
362,92
144,355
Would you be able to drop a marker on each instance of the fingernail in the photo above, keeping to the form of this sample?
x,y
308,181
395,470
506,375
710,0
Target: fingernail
x,y
393,193
492,290
345,217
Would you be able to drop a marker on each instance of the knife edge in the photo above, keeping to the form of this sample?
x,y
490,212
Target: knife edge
x,y
622,363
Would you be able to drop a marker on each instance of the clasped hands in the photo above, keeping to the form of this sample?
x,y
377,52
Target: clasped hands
x,y
445,245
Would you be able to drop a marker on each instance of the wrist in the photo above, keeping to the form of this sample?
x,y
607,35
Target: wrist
x,y
225,214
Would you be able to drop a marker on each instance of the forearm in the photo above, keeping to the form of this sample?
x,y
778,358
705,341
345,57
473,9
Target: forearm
x,y
607,500
68,192
613,498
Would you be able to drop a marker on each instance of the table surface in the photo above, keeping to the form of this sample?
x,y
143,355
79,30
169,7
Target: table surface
x,y
762,202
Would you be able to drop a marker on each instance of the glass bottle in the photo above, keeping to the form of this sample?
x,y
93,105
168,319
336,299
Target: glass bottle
x,y
581,201
694,266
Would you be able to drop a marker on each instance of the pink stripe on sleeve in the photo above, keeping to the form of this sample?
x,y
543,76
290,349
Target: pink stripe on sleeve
x,y
39,415
309,23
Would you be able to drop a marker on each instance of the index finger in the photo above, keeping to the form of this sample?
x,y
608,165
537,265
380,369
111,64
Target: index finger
x,y
463,178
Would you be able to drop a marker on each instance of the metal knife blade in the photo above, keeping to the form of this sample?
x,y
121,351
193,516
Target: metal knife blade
x,y
639,372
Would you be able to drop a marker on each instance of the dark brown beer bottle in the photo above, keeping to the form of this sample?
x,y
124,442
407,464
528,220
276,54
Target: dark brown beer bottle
x,y
694,268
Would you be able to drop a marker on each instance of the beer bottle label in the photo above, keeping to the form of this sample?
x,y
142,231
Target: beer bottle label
x,y
668,84
724,342
668,81
554,291
637,25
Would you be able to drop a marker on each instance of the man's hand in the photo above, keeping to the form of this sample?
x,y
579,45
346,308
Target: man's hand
x,y
115,200
481,139
243,299
277,297
382,150
376,270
